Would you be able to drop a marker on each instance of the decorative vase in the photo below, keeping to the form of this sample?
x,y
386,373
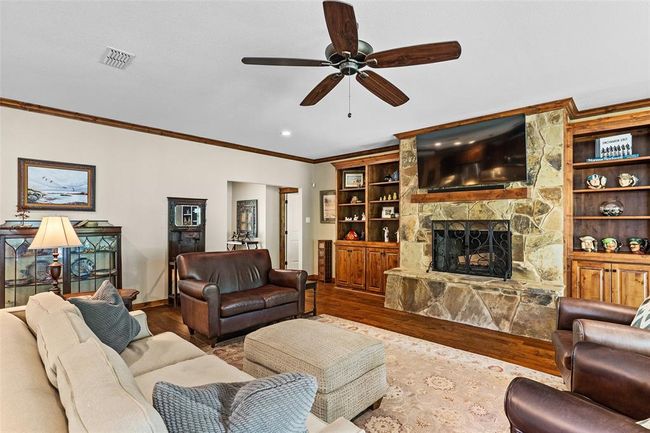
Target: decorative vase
x,y
627,180
637,245
611,208
611,245
588,244
596,181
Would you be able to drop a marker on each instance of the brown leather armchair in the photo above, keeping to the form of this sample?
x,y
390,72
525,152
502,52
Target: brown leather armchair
x,y
230,291
610,392
599,322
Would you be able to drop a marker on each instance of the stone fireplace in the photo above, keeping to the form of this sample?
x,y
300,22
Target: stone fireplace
x,y
525,304
478,247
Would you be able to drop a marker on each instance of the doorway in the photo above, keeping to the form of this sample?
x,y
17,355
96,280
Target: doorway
x,y
290,229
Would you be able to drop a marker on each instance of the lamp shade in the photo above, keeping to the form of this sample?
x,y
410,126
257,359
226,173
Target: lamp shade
x,y
55,232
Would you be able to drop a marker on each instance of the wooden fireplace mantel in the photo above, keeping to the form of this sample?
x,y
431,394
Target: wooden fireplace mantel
x,y
481,194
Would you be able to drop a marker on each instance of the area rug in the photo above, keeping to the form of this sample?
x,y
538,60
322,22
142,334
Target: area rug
x,y
433,388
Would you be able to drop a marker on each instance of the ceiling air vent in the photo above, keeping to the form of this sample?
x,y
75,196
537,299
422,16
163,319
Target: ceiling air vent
x,y
117,58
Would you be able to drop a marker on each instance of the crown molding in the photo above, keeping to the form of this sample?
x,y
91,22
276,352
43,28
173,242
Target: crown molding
x,y
42,109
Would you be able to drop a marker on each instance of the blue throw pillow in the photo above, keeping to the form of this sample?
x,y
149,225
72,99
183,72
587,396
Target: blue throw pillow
x,y
279,403
106,315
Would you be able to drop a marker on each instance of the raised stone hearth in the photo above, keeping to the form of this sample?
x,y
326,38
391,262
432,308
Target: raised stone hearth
x,y
492,303
524,305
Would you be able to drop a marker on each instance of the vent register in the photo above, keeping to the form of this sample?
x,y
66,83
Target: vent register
x,y
117,58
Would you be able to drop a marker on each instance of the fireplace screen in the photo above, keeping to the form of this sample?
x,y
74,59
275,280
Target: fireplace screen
x,y
481,247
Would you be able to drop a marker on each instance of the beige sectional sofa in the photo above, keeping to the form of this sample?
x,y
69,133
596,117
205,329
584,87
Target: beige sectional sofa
x,y
98,390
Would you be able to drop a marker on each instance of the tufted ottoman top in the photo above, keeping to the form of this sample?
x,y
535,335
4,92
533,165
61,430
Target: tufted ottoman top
x,y
333,355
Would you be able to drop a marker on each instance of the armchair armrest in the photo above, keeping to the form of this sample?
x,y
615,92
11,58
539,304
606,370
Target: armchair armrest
x,y
141,317
341,425
614,335
570,309
617,379
532,407
199,289
291,278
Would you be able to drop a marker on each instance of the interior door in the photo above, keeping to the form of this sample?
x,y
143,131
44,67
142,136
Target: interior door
x,y
591,280
630,284
294,231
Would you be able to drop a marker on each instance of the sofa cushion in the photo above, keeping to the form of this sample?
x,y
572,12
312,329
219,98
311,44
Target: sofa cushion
x,y
200,371
99,392
276,295
42,304
27,401
56,333
107,316
159,351
277,403
236,303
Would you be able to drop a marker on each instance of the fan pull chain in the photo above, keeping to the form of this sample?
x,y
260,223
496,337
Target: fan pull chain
x,y
349,99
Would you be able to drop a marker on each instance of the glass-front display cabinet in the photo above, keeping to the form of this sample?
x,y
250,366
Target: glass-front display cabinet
x,y
24,272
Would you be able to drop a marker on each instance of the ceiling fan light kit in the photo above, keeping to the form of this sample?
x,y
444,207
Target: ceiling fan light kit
x,y
349,55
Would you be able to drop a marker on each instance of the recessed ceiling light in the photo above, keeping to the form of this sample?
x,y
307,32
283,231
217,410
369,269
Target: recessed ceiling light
x,y
437,144
456,143
472,142
286,133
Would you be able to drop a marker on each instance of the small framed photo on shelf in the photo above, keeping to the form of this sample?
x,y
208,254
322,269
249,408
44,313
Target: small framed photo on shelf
x,y
388,212
353,179
615,146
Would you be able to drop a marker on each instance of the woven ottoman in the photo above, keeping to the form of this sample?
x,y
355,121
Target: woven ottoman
x,y
350,367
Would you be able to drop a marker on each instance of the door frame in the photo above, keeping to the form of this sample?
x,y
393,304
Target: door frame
x,y
283,224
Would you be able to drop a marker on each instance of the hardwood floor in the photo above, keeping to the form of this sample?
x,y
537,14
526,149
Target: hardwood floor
x,y
369,309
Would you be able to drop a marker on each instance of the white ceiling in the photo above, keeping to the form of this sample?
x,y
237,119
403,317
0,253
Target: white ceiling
x,y
187,75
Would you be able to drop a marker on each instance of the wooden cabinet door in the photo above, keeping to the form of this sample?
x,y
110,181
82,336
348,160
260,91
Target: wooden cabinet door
x,y
630,284
375,263
591,280
342,266
357,267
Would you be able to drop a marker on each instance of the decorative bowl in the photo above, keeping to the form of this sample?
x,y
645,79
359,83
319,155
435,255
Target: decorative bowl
x,y
611,208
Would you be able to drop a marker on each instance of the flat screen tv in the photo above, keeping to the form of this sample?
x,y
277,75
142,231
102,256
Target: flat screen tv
x,y
485,154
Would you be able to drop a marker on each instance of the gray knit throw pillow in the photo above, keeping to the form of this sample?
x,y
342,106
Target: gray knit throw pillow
x,y
106,315
642,318
279,403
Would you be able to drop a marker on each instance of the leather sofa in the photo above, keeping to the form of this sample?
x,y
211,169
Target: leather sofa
x,y
609,392
230,291
29,403
599,322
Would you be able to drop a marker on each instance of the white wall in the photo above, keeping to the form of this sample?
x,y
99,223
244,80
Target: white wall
x,y
324,179
136,172
249,191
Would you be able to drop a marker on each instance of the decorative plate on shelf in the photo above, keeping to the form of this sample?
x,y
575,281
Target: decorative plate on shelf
x,y
83,267
38,271
611,208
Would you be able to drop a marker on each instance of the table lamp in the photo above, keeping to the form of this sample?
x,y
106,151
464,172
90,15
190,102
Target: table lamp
x,y
55,232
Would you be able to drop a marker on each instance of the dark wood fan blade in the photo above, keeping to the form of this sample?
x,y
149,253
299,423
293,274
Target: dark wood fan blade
x,y
415,55
382,88
280,61
322,89
342,26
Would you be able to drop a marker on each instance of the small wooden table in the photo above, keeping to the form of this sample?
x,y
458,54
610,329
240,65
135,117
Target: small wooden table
x,y
311,285
127,295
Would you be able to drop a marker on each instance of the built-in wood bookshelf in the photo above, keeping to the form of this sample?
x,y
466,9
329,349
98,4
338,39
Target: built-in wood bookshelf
x,y
620,277
360,264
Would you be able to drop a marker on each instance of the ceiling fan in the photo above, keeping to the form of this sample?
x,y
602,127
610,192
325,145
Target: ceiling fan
x,y
350,55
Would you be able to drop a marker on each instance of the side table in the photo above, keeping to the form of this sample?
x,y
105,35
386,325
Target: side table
x,y
127,295
311,285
